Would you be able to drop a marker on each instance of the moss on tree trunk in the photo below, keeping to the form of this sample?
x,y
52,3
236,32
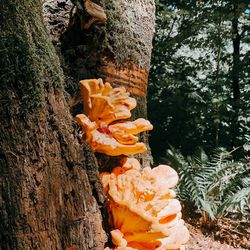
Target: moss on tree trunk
x,y
46,199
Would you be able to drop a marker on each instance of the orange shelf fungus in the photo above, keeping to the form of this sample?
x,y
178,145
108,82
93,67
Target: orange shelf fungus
x,y
105,108
145,213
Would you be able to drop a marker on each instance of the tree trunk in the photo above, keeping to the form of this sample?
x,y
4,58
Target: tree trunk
x,y
235,74
46,199
126,60
51,195
119,52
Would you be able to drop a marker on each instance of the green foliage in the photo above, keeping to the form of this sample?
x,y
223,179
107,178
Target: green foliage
x,y
215,184
191,76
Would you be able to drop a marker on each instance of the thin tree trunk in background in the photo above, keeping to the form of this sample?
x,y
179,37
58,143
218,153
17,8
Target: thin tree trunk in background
x,y
46,199
217,80
235,74
126,60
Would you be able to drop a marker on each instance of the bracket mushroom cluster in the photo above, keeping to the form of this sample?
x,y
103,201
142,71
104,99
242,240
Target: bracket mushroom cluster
x,y
145,213
105,109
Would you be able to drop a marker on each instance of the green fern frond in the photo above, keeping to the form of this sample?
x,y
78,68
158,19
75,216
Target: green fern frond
x,y
210,183
237,181
239,199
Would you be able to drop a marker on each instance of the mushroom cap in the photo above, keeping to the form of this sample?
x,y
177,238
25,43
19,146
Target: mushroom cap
x,y
102,103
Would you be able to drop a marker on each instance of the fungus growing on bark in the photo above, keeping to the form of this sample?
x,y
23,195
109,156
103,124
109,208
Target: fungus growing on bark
x,y
145,213
105,108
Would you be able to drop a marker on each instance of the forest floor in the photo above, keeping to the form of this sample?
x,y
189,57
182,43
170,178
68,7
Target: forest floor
x,y
222,234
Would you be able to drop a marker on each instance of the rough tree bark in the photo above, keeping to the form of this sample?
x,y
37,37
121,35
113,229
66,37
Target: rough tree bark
x,y
51,196
46,200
